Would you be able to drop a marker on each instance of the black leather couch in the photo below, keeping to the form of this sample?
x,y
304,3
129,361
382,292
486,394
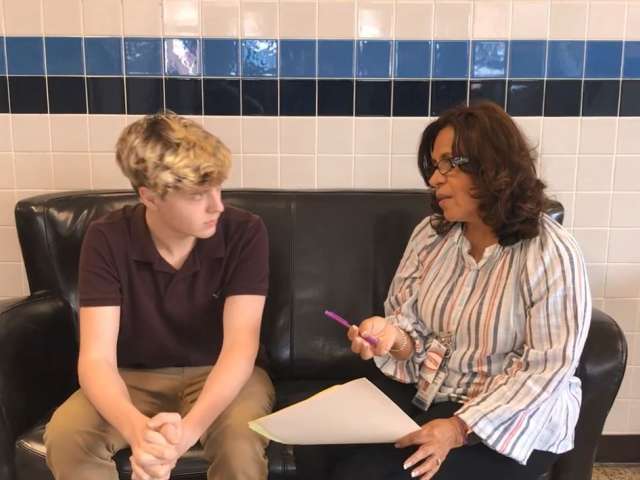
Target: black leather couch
x,y
335,250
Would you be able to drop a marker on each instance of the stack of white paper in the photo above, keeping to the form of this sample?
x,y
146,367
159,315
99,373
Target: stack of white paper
x,y
355,412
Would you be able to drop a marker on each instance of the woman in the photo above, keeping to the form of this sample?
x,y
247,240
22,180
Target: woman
x,y
487,315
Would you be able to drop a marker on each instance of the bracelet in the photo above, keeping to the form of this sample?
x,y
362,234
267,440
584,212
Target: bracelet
x,y
403,345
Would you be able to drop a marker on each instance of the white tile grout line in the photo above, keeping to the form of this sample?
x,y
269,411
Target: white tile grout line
x,y
392,64
615,151
579,118
544,88
278,69
46,90
507,72
86,100
354,72
317,122
241,116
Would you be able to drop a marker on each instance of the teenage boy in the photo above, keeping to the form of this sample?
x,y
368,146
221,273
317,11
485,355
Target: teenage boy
x,y
171,293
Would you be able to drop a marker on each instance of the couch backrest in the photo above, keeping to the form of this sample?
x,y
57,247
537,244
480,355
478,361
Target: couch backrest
x,y
328,250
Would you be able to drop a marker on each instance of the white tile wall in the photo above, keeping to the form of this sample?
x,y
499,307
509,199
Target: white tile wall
x,y
592,164
336,19
63,18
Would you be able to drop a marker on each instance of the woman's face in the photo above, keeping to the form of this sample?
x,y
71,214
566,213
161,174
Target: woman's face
x,y
454,189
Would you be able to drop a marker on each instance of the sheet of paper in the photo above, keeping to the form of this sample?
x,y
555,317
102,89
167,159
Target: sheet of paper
x,y
355,412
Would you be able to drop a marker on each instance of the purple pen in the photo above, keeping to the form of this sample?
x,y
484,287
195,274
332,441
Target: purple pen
x,y
334,316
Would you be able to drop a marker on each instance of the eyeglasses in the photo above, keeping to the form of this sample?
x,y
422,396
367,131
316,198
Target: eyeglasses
x,y
445,165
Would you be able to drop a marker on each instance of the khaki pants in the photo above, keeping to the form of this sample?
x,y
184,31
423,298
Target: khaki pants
x,y
80,443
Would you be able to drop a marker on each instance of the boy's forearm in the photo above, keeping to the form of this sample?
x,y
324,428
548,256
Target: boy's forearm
x,y
107,392
226,379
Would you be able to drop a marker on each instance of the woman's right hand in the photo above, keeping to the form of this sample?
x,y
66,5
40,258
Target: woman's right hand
x,y
377,327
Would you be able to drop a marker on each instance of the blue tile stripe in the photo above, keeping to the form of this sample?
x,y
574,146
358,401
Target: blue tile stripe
x,y
366,59
230,76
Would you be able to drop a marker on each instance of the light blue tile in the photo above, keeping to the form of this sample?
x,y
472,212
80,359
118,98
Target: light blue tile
x,y
565,59
335,58
182,56
3,70
143,56
632,60
412,59
221,57
489,59
103,56
373,58
526,58
64,56
451,59
604,59
259,58
297,58
25,55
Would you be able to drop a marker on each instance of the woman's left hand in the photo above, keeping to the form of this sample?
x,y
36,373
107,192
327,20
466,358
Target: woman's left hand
x,y
435,439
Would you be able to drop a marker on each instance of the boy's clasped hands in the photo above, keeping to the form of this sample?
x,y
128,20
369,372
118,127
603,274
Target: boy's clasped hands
x,y
157,444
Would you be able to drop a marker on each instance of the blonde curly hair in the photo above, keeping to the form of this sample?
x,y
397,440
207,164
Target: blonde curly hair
x,y
166,152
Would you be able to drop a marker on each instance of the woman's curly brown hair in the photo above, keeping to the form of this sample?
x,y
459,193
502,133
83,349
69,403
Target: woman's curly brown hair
x,y
510,195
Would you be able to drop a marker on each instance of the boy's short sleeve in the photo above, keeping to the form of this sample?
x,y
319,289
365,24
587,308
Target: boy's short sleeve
x,y
98,279
250,273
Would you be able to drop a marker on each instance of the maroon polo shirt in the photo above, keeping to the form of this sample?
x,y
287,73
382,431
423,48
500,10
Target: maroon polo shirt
x,y
169,317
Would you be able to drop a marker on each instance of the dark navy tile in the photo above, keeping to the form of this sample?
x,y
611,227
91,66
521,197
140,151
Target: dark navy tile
x,y
604,59
451,59
335,97
525,98
64,56
446,94
632,60
183,95
565,59
412,59
4,94
260,97
143,56
493,90
600,98
527,58
489,59
28,94
630,101
106,95
3,69
335,58
373,98
25,55
297,97
67,94
410,98
221,57
562,98
221,96
373,58
144,95
103,56
182,57
297,58
259,58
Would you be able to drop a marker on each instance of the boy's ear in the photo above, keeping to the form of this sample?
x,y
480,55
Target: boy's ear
x,y
148,198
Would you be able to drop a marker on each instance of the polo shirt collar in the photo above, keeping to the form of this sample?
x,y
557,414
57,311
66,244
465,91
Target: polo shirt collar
x,y
143,249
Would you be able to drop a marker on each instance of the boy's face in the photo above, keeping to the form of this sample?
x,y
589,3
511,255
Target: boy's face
x,y
193,213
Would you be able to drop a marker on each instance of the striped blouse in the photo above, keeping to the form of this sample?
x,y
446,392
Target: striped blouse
x,y
519,319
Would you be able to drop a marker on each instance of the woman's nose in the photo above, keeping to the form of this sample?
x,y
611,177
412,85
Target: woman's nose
x,y
436,178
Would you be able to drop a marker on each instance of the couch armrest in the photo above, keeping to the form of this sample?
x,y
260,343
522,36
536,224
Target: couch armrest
x,y
601,369
38,355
